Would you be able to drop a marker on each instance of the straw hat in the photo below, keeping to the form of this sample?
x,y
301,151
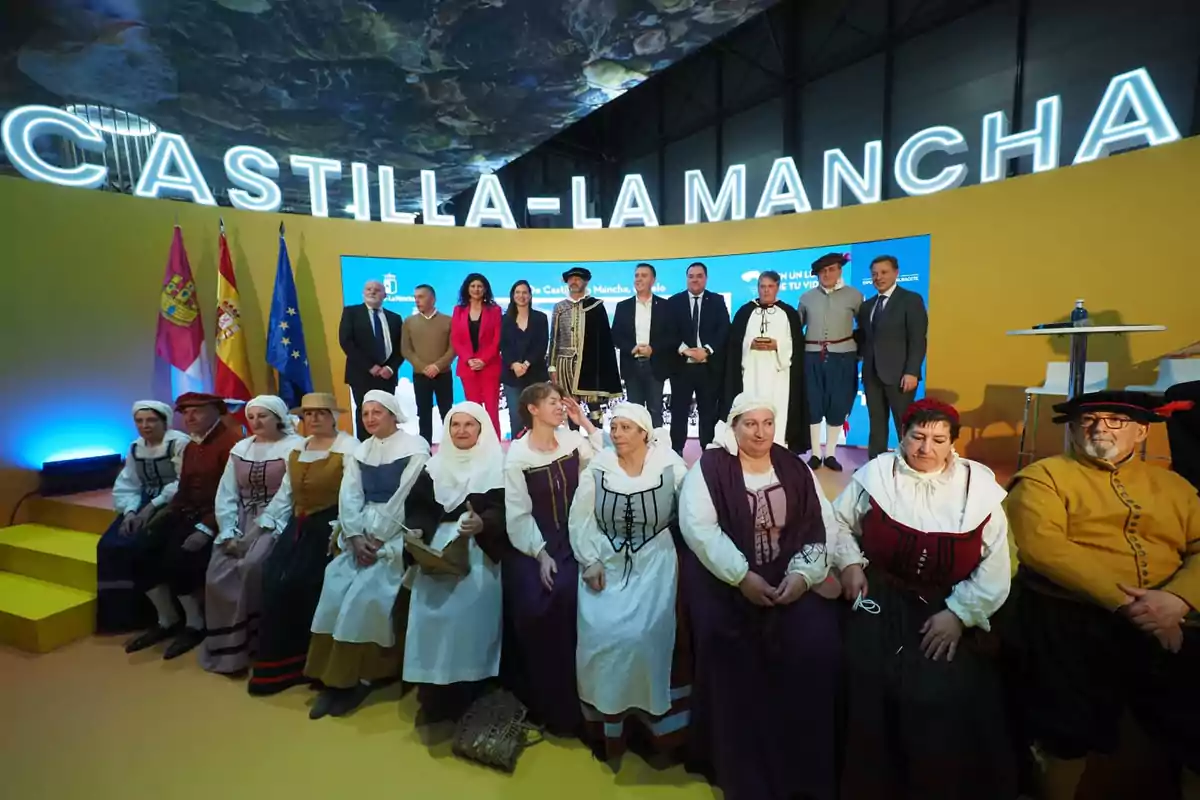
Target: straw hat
x,y
316,401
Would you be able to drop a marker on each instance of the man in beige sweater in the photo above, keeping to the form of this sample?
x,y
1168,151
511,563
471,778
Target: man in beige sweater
x,y
425,343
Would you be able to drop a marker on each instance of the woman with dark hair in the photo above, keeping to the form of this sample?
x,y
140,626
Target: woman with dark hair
x,y
524,338
540,574
927,530
145,485
475,336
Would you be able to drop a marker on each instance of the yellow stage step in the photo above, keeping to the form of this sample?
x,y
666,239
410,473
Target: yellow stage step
x,y
91,512
38,617
54,555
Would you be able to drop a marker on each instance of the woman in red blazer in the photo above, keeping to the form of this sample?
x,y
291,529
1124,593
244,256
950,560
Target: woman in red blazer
x,y
475,335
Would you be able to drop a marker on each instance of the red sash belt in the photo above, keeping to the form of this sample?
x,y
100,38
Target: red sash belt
x,y
826,342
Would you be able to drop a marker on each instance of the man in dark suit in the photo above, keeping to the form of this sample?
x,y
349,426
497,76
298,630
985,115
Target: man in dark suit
x,y
701,322
642,333
370,338
892,329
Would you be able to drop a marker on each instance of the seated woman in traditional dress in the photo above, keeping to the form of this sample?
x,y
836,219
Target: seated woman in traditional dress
x,y
233,583
758,531
926,529
354,646
145,484
621,533
300,516
455,622
541,576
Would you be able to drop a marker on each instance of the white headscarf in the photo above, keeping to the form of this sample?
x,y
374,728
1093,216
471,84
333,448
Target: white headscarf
x,y
167,412
744,403
458,473
278,408
387,400
660,448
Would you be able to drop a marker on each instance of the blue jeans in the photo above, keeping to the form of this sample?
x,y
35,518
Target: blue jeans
x,y
643,388
512,394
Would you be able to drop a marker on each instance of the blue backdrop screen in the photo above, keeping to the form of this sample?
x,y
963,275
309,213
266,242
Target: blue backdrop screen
x,y
734,276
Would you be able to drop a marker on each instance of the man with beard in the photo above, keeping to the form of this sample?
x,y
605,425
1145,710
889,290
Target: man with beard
x,y
583,359
763,348
1109,583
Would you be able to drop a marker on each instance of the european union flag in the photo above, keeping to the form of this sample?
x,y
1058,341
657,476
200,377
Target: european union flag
x,y
285,339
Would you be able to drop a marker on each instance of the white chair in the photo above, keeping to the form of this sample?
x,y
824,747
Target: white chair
x,y
1170,372
1056,384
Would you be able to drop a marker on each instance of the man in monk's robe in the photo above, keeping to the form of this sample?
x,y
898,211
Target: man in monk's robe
x,y
765,359
1107,592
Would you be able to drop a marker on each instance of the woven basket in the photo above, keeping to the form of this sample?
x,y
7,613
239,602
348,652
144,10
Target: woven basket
x,y
494,731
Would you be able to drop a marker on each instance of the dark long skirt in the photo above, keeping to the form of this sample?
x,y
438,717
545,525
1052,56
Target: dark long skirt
x,y
920,729
292,578
764,699
120,607
542,669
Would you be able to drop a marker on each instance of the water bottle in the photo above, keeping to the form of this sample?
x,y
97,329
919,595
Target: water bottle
x,y
1079,316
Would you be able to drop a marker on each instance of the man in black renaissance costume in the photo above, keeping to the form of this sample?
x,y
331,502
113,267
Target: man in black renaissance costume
x,y
583,359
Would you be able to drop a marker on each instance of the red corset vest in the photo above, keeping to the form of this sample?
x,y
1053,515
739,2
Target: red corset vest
x,y
929,563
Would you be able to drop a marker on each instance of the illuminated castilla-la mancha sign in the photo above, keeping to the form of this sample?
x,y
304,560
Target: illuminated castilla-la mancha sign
x,y
1130,114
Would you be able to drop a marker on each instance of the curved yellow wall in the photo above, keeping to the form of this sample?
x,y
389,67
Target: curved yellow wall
x,y
81,275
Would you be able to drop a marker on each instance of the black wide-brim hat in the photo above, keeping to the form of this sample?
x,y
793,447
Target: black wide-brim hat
x,y
581,272
1138,406
827,260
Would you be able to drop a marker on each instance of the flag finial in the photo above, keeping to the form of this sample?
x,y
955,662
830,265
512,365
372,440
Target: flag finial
x,y
222,221
281,228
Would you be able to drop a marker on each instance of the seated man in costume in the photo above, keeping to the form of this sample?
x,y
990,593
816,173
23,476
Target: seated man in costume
x,y
1109,552
762,362
354,645
145,485
174,550
924,702
632,665
233,585
583,358
767,649
455,621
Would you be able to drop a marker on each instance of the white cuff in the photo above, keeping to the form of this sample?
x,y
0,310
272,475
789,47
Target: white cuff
x,y
207,531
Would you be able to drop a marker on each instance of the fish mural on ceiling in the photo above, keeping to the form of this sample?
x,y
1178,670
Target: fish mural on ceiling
x,y
451,85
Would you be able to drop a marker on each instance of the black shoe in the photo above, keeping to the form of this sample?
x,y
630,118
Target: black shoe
x,y
325,702
151,637
187,641
814,463
349,699
832,463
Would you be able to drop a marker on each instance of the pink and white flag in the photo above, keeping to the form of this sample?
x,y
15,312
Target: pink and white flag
x,y
180,337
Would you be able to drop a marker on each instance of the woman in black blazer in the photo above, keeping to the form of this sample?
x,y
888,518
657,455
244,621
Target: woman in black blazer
x,y
524,339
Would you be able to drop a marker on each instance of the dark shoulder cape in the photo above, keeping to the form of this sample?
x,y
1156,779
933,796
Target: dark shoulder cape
x,y
598,373
797,435
804,528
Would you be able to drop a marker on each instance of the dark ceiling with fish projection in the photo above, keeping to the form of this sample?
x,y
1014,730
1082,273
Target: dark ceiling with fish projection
x,y
457,86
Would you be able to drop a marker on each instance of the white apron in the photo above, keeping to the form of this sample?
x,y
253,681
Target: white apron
x,y
765,373
356,602
627,632
454,624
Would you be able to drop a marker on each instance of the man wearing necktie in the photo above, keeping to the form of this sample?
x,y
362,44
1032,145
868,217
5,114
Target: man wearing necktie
x,y
370,337
892,328
701,321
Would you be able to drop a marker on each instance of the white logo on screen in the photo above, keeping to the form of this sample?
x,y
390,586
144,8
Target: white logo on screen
x,y
751,276
390,285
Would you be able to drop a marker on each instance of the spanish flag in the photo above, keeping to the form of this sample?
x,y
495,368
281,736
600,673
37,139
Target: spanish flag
x,y
233,363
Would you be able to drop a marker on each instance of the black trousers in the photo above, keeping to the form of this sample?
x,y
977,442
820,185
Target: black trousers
x,y
425,389
702,382
359,390
886,404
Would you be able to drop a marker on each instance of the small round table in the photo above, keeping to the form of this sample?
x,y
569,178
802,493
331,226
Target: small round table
x,y
1079,345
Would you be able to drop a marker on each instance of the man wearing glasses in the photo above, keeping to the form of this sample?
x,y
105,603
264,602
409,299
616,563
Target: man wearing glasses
x,y
1109,584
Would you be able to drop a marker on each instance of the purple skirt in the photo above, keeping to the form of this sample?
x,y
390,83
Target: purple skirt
x,y
764,701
